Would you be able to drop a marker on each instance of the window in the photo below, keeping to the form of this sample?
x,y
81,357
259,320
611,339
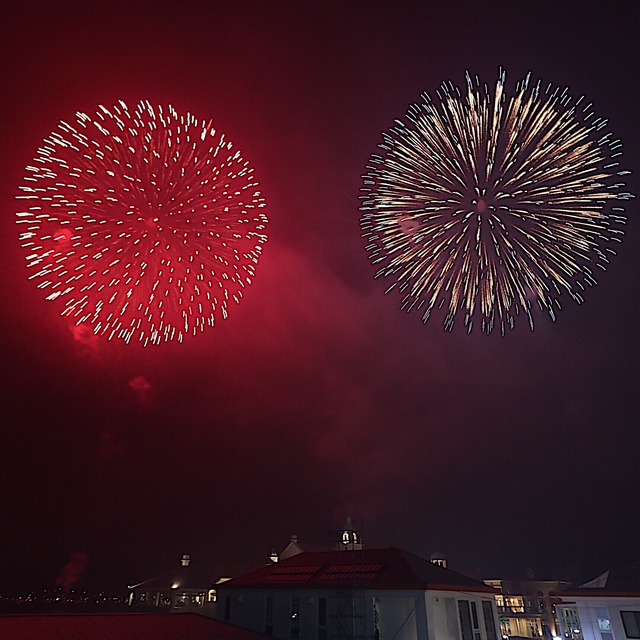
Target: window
x,y
513,604
474,621
465,619
197,599
571,624
322,619
474,615
534,627
452,617
268,616
604,623
322,612
489,622
631,622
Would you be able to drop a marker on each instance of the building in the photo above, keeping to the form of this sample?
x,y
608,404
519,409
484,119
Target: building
x,y
365,593
526,608
605,608
178,590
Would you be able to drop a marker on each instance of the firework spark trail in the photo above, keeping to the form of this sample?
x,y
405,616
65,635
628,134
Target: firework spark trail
x,y
486,204
145,223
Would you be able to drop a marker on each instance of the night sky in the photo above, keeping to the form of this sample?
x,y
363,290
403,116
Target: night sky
x,y
318,398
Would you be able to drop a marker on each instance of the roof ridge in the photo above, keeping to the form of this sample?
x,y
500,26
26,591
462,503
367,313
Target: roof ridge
x,y
383,568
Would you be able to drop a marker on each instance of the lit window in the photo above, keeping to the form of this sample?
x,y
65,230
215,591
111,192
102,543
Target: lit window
x,y
604,623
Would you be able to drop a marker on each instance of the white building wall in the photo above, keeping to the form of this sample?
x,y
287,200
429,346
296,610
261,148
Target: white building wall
x,y
444,619
248,609
590,608
245,608
631,604
402,615
589,623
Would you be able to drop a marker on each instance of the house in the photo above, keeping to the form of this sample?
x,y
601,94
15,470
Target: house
x,y
527,607
605,608
177,590
359,593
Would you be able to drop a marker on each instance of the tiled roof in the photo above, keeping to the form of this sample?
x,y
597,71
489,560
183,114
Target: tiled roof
x,y
371,568
116,626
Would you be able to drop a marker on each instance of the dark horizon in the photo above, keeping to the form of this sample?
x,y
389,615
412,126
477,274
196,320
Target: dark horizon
x,y
318,398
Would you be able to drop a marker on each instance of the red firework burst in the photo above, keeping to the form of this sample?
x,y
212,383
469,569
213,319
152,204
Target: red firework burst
x,y
143,223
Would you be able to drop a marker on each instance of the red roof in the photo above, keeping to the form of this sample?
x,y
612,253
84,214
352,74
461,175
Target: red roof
x,y
117,626
369,568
